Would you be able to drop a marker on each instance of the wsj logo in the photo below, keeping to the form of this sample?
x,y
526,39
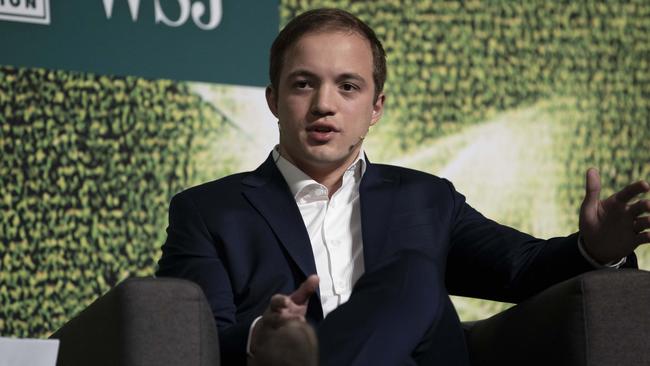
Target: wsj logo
x,y
196,9
28,11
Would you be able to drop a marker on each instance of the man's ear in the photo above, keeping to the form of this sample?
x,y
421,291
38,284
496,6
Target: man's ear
x,y
377,109
271,100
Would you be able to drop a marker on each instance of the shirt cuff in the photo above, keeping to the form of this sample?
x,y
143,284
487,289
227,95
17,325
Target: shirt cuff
x,y
250,333
595,263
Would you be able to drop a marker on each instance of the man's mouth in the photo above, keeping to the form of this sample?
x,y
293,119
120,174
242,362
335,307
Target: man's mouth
x,y
320,129
321,133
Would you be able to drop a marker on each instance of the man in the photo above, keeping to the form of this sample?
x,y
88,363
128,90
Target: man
x,y
365,253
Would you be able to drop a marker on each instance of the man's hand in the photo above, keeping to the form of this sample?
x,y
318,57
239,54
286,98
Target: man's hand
x,y
613,228
282,309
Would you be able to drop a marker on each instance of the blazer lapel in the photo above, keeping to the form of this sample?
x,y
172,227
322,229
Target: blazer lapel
x,y
268,192
377,194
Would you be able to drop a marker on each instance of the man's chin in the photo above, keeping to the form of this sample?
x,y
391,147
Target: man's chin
x,y
329,160
331,152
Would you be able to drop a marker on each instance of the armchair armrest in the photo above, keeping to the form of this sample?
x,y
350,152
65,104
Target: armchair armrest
x,y
143,321
599,318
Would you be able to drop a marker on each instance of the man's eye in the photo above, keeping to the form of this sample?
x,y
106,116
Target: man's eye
x,y
348,87
301,84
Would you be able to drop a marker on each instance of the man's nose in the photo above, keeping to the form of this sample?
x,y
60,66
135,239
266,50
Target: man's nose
x,y
324,101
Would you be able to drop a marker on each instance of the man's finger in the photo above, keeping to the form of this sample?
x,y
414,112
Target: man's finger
x,y
306,289
296,312
592,188
633,190
639,208
278,302
641,223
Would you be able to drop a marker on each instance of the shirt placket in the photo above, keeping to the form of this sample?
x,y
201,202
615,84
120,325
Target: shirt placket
x,y
338,258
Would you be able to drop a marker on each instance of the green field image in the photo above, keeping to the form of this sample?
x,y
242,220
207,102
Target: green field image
x,y
510,101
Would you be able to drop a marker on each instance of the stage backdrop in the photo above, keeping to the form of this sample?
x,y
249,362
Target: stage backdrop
x,y
109,107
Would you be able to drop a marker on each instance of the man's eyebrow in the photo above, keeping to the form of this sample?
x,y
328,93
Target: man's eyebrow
x,y
352,76
301,72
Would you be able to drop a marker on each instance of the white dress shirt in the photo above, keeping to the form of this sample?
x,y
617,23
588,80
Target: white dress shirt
x,y
334,227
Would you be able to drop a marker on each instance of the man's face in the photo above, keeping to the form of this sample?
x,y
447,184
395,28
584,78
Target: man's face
x,y
325,100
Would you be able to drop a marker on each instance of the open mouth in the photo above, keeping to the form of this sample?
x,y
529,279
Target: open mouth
x,y
321,129
321,133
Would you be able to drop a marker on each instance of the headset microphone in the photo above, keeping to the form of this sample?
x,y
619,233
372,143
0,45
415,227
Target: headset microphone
x,y
361,138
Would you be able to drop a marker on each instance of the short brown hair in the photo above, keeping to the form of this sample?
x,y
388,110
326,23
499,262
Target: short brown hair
x,y
321,20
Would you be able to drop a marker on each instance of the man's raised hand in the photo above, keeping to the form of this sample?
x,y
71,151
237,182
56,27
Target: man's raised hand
x,y
612,228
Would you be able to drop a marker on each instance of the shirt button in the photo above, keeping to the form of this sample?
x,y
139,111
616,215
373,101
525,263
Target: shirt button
x,y
335,242
340,284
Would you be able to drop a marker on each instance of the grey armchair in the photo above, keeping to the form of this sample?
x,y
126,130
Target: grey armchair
x,y
598,318
601,318
143,321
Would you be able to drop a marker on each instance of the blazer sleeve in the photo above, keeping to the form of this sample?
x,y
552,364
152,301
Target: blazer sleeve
x,y
492,261
192,252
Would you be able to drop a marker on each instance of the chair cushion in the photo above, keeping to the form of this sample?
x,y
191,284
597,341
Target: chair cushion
x,y
599,318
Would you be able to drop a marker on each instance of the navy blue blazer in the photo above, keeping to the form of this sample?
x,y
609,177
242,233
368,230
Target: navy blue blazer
x,y
242,239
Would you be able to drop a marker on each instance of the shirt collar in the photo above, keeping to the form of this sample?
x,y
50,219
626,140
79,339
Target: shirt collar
x,y
298,180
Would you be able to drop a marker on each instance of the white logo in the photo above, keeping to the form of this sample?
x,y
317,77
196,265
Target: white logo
x,y
27,11
197,9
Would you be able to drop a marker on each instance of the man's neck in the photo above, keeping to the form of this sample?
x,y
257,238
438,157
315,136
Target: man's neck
x,y
329,175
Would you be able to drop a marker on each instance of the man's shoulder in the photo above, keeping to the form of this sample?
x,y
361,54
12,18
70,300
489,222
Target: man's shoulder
x,y
415,189
416,182
223,187
406,175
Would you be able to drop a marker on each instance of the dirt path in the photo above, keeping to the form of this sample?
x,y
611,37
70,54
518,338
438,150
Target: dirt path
x,y
507,167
